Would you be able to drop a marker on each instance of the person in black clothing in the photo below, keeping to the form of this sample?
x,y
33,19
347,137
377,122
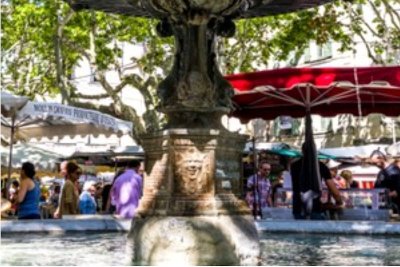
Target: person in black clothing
x,y
388,177
299,211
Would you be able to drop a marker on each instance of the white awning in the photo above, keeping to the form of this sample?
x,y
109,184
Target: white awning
x,y
10,103
41,119
353,151
42,159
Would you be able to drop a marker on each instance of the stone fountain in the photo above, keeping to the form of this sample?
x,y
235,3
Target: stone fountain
x,y
191,212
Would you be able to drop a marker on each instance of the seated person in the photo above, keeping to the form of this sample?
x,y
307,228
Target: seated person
x,y
348,176
13,197
87,203
5,207
339,181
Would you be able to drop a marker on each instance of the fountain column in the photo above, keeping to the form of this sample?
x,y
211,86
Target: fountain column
x,y
191,212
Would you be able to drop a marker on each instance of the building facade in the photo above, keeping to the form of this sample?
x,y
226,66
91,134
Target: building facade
x,y
343,129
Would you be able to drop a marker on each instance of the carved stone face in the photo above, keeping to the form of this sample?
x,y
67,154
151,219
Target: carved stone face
x,y
191,168
191,171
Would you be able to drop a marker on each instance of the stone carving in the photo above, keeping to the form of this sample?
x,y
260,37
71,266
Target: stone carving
x,y
195,91
195,84
192,172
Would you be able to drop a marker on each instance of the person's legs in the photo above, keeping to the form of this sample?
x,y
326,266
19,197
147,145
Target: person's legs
x,y
296,209
317,211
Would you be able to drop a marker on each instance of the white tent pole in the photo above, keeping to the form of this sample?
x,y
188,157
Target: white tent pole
x,y
394,130
11,147
255,160
358,92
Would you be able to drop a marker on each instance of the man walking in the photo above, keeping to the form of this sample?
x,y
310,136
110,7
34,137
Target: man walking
x,y
259,190
127,190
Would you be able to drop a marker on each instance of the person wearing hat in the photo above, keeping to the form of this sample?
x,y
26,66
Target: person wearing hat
x,y
339,181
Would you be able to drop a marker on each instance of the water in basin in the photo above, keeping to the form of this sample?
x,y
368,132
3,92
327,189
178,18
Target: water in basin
x,y
108,249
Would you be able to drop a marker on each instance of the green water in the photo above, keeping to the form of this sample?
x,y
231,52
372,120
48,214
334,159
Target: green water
x,y
109,249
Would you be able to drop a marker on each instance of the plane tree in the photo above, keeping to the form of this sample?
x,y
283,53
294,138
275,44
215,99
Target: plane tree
x,y
44,40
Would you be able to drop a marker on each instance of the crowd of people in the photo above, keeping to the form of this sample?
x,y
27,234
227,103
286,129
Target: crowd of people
x,y
29,199
261,186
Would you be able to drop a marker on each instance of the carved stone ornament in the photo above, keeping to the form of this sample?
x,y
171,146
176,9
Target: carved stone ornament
x,y
192,172
195,83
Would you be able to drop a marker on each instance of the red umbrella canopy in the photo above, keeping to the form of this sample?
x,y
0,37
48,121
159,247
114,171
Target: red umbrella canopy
x,y
324,91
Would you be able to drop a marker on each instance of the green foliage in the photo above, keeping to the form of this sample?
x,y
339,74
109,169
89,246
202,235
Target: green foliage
x,y
259,41
30,30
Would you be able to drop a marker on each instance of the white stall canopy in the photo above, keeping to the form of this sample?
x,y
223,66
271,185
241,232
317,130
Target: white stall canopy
x,y
10,103
41,119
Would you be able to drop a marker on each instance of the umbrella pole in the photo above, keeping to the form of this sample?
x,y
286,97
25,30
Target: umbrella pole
x,y
255,190
11,149
254,155
314,154
309,132
394,130
314,185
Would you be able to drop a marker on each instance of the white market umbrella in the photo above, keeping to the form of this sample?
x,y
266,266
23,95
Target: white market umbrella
x,y
10,105
394,149
42,119
43,159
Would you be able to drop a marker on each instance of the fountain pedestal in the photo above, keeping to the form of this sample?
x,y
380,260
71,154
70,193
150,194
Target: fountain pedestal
x,y
190,212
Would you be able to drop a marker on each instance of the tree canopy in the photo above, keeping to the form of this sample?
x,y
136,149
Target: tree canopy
x,y
43,40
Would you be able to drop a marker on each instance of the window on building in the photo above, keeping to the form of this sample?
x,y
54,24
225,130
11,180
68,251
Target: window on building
x,y
325,50
307,54
325,123
285,125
